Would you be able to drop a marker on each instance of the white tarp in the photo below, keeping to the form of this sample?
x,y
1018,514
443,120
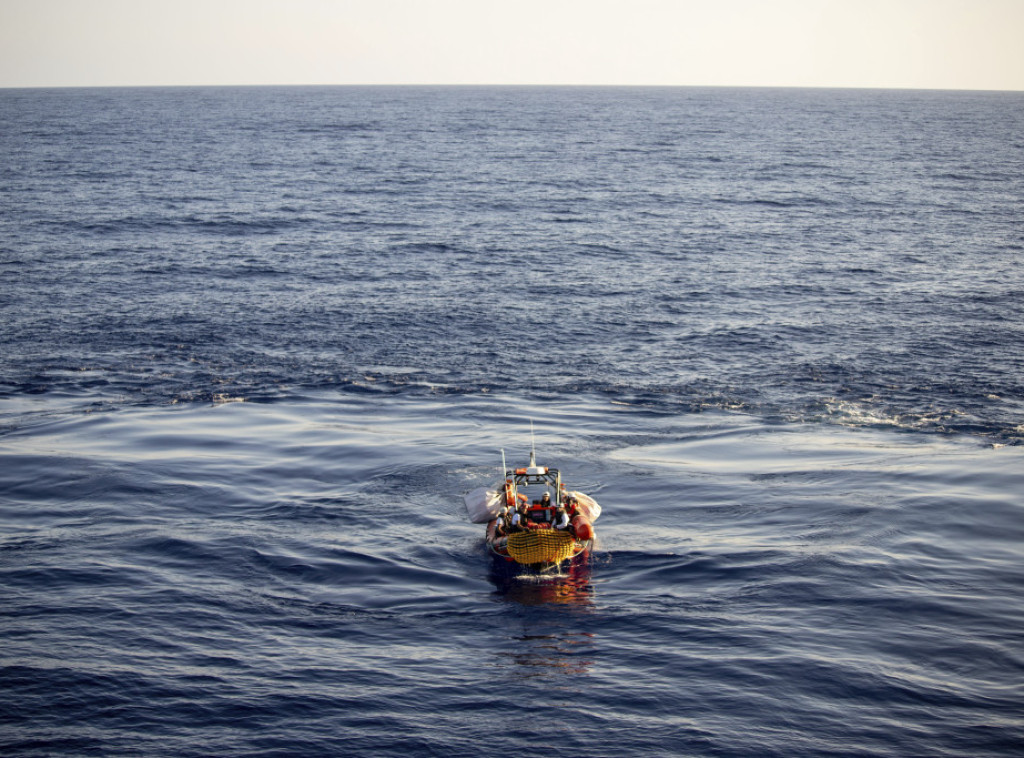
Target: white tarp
x,y
588,506
484,504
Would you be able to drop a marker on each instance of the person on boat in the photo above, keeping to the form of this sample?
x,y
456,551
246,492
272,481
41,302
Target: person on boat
x,y
559,516
544,512
514,520
501,526
540,511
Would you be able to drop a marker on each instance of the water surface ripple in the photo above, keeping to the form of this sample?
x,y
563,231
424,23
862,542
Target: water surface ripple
x,y
256,343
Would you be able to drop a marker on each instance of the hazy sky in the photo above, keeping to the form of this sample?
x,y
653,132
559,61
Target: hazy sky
x,y
948,44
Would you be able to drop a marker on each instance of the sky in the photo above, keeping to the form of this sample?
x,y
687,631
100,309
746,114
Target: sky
x,y
926,44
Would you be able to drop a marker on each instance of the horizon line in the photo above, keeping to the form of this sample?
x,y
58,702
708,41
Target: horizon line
x,y
519,85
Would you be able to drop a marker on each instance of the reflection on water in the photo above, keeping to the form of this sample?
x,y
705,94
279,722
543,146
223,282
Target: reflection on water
x,y
547,645
550,654
569,585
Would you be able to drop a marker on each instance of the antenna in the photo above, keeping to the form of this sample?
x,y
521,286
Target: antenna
x,y
504,469
533,446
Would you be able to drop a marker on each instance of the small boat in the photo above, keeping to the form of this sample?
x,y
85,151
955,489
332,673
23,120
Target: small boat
x,y
532,519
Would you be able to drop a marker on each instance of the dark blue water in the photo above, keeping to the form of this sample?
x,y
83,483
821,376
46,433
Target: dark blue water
x,y
255,345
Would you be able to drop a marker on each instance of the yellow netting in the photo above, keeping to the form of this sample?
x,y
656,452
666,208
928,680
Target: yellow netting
x,y
541,546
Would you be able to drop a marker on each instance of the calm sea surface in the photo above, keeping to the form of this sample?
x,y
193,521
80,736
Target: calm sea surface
x,y
256,343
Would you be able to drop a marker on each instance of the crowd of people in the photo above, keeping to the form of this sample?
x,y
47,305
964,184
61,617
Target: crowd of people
x,y
540,514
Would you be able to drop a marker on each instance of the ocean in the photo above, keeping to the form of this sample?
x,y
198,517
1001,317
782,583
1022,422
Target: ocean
x,y
257,343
